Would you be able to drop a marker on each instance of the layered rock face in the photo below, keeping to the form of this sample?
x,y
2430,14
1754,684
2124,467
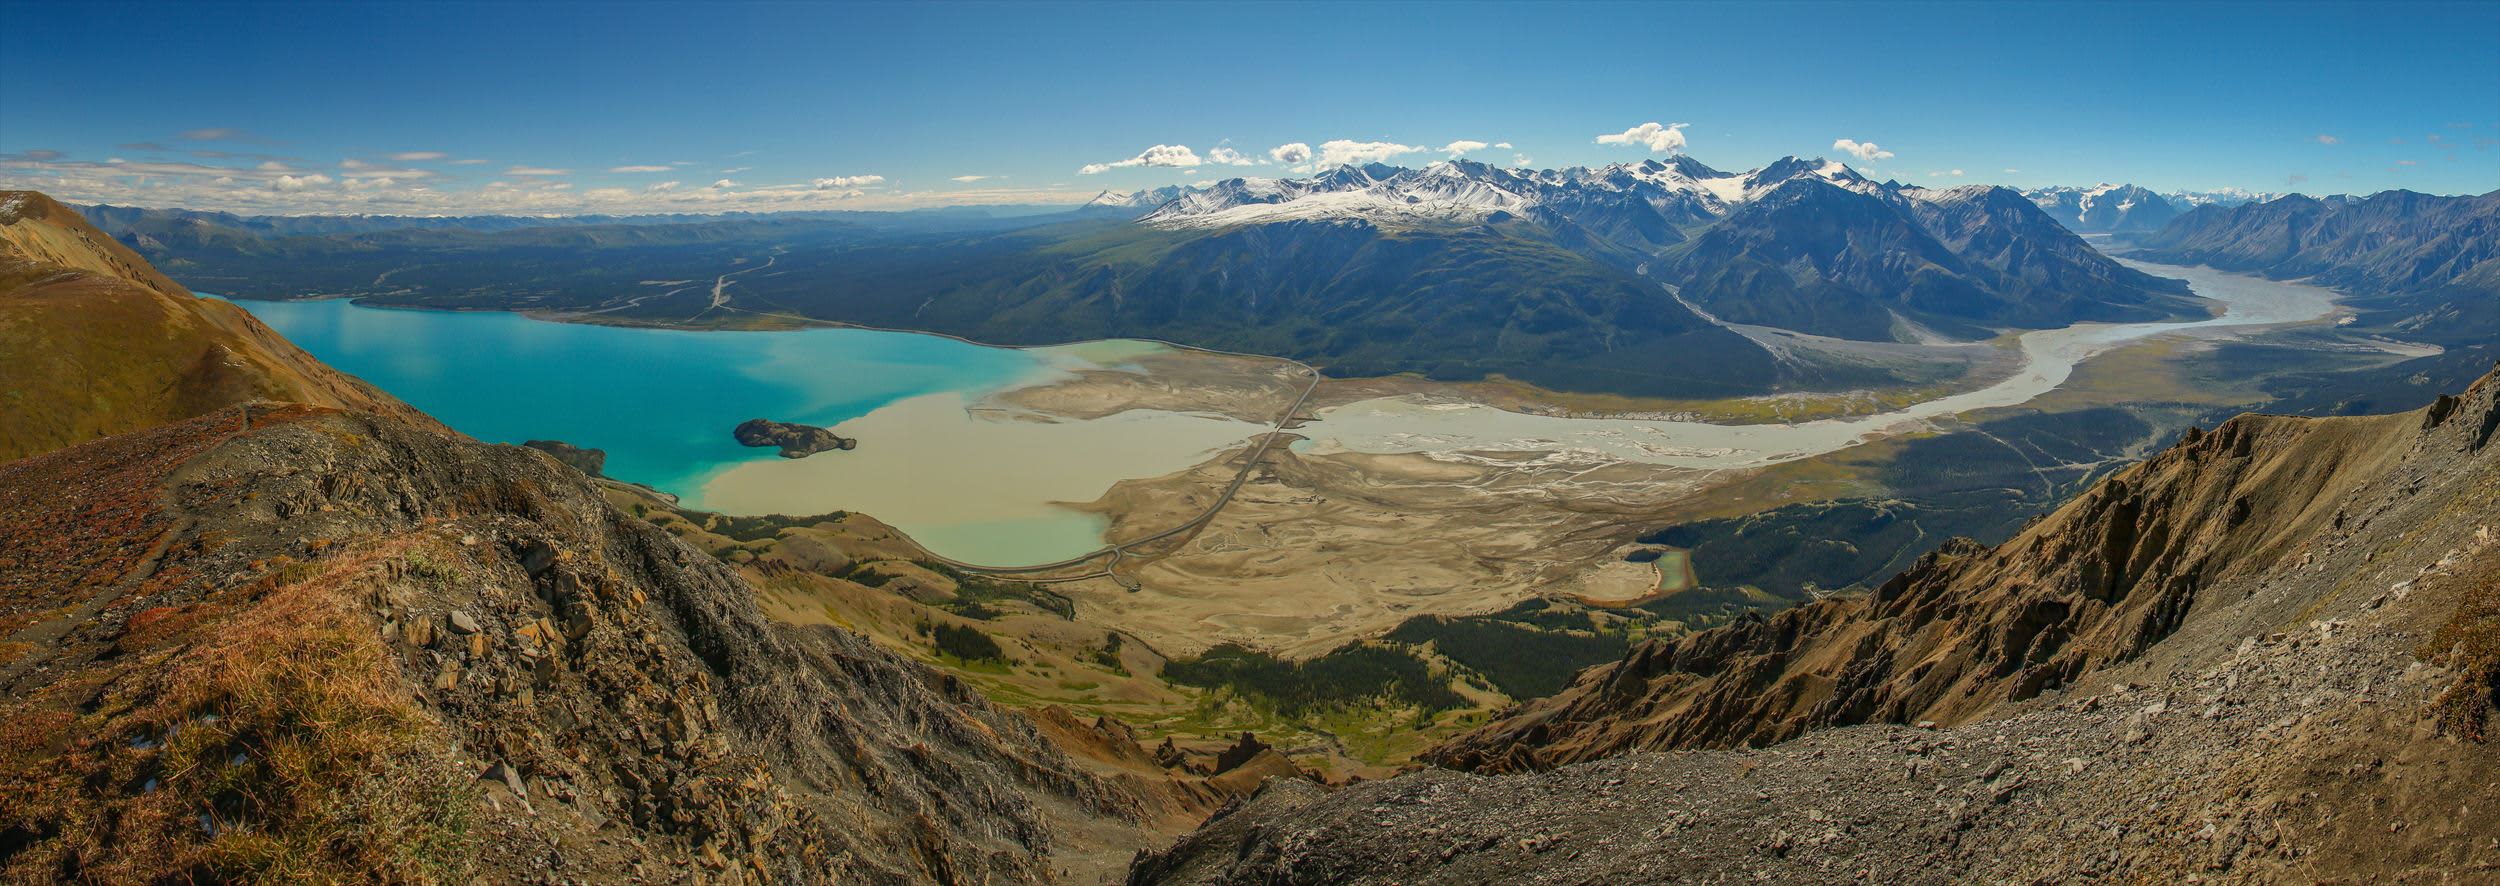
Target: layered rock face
x,y
2267,654
338,641
99,343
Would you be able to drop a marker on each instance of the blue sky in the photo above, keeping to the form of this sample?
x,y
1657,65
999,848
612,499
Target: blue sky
x,y
571,107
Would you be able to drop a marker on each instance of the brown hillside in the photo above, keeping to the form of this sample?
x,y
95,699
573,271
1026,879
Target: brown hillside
x,y
95,342
2098,582
2270,654
341,642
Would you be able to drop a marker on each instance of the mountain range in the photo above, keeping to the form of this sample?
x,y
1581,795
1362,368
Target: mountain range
x,y
1623,278
2387,242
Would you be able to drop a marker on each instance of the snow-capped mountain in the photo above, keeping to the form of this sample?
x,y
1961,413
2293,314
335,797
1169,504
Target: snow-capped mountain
x,y
1141,201
1677,190
1802,244
2105,208
2223,197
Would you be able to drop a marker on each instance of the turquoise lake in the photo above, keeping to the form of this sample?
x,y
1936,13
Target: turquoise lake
x,y
660,401
1003,488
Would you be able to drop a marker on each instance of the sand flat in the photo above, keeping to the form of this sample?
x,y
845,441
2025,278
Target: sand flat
x,y
980,488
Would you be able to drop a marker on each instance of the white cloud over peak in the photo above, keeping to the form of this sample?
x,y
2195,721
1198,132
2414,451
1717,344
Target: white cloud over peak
x,y
840,182
723,185
1866,152
1339,152
1460,147
1650,135
626,170
1290,152
1175,156
1226,156
1949,173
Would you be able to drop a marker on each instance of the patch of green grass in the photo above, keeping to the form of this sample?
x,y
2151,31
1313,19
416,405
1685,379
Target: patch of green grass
x,y
1357,675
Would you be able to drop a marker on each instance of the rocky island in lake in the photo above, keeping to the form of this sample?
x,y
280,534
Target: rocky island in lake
x,y
795,440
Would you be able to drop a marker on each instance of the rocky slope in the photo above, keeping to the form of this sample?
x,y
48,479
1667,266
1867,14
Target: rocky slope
x,y
2269,653
340,639
100,343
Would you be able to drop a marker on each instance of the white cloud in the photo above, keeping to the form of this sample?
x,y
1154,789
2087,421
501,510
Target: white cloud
x,y
1460,147
1290,153
254,184
2326,139
1949,173
625,170
418,156
1225,156
298,182
1502,145
734,170
473,161
1651,135
968,179
1339,152
1866,152
536,170
1175,156
841,182
2011,170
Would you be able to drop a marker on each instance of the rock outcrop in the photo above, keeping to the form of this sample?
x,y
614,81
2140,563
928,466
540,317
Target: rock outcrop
x,y
591,462
2267,654
795,440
